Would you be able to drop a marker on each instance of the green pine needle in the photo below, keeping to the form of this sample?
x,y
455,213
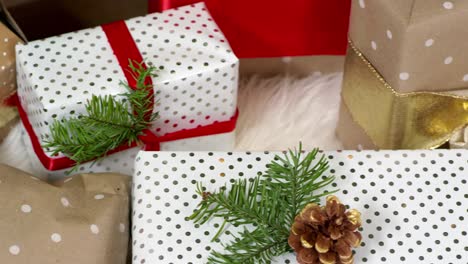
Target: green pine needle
x,y
108,122
266,204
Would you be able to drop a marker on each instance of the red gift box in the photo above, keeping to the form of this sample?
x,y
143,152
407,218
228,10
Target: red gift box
x,y
277,28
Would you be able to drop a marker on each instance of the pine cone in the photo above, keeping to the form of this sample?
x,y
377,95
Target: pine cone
x,y
325,235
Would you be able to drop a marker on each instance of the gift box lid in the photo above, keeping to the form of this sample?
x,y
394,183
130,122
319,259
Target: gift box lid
x,y
416,45
413,203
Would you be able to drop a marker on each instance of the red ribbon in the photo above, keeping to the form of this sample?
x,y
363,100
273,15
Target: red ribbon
x,y
11,100
125,49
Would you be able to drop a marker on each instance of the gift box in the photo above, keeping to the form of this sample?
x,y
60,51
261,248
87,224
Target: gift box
x,y
193,91
81,219
10,35
411,202
406,78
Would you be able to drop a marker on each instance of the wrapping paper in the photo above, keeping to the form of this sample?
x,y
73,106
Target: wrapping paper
x,y
8,40
82,219
10,35
196,84
415,45
410,201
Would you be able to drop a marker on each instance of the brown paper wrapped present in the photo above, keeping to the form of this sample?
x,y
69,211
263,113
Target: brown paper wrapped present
x,y
10,35
83,219
406,74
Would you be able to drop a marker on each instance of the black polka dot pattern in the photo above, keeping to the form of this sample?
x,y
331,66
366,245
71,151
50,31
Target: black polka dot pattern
x,y
196,82
414,203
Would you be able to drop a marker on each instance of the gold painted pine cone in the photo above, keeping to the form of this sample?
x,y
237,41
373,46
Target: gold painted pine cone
x,y
325,235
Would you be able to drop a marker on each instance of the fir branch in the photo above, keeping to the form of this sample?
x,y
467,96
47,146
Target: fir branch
x,y
239,206
108,122
141,98
241,250
106,126
266,204
299,177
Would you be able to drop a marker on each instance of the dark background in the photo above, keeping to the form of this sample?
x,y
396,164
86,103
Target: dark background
x,y
43,18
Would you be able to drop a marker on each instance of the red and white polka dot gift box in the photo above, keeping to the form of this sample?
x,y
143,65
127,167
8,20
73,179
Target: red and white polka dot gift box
x,y
195,90
413,204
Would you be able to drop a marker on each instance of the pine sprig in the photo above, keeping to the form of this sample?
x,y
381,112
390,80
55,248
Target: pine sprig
x,y
105,127
300,178
140,99
108,123
238,206
265,206
252,247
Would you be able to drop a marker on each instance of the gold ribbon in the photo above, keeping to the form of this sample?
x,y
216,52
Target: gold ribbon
x,y
417,120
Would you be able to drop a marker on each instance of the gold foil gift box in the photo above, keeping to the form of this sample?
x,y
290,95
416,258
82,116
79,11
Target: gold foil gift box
x,y
406,74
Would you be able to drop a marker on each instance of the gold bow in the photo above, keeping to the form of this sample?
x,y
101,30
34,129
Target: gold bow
x,y
417,120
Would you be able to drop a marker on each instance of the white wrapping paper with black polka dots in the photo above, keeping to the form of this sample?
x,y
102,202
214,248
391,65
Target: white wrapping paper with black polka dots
x,y
413,203
196,84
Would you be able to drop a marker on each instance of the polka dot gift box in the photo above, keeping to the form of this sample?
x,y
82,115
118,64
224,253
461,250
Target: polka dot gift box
x,y
412,204
406,75
81,219
193,87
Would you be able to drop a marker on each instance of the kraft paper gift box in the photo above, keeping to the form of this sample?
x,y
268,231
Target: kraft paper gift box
x,y
10,35
81,219
195,90
293,37
412,203
406,74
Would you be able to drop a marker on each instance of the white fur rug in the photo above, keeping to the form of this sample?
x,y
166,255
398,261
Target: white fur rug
x,y
276,114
